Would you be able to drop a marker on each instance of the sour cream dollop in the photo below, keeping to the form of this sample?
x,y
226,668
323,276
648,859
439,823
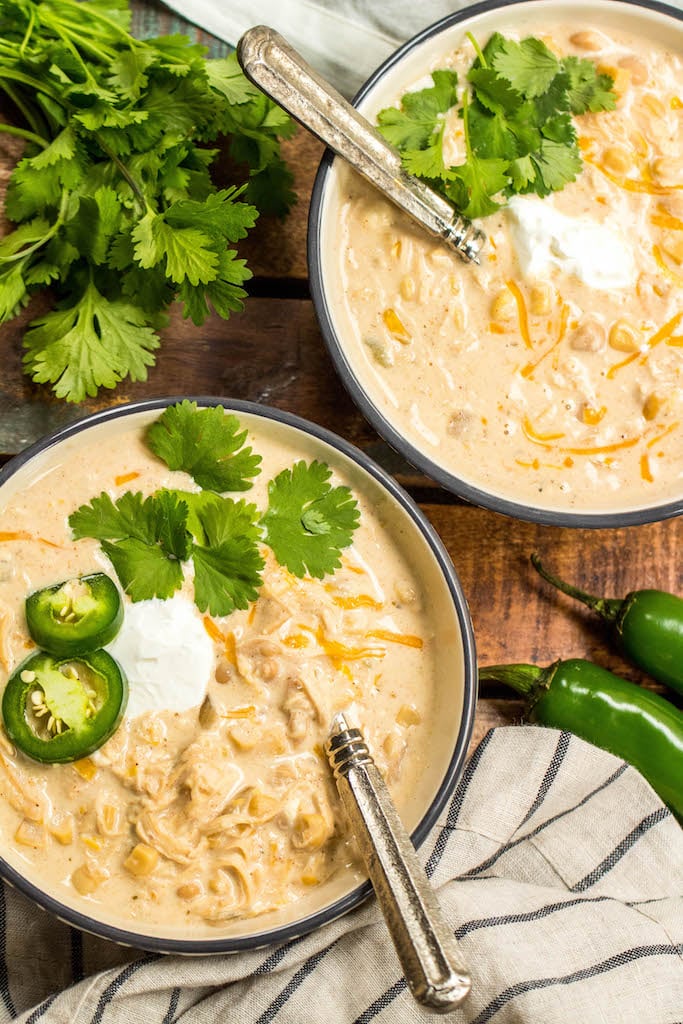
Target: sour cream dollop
x,y
544,238
166,654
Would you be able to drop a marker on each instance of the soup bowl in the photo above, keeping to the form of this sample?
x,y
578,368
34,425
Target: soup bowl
x,y
545,382
208,822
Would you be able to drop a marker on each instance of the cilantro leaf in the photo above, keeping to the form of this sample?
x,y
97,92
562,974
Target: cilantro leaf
x,y
94,343
146,539
227,568
588,89
144,570
528,66
414,125
308,522
517,115
118,167
207,443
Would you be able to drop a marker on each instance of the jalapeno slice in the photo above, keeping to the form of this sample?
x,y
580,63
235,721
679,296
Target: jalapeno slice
x,y
78,615
59,710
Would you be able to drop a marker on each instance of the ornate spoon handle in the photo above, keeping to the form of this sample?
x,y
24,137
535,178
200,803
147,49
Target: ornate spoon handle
x,y
276,68
426,947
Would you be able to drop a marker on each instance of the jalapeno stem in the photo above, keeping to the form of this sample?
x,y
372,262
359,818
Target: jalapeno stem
x,y
527,680
607,608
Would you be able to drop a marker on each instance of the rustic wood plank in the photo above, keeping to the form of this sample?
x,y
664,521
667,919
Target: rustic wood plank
x,y
517,616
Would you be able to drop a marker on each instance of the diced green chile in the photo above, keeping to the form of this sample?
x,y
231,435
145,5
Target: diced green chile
x,y
59,710
78,615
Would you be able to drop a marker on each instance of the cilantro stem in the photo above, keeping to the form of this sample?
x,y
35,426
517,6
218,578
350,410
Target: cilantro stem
x,y
32,83
28,33
125,173
32,117
22,133
40,242
477,50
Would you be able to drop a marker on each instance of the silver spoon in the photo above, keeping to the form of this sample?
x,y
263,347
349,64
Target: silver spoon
x,y
428,951
276,68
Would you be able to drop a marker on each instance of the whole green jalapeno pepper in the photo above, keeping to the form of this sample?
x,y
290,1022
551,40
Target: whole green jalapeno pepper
x,y
75,616
58,710
621,717
647,623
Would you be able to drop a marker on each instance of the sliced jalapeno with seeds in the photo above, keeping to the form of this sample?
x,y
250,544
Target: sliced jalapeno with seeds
x,y
59,710
75,616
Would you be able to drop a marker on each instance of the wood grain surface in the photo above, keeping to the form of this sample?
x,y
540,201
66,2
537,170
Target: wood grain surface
x,y
273,353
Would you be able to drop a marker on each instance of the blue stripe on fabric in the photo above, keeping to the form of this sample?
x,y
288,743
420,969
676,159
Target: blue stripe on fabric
x,y
549,776
621,849
612,963
490,861
290,988
4,973
456,805
119,981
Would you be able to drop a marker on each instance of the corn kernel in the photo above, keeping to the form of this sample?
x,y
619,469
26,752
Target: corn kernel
x,y
503,306
395,325
408,288
87,878
63,830
261,805
653,405
30,834
408,715
540,299
623,337
142,860
92,842
310,831
617,159
86,768
592,416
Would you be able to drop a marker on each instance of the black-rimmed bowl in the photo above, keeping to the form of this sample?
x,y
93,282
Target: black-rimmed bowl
x,y
454,702
409,68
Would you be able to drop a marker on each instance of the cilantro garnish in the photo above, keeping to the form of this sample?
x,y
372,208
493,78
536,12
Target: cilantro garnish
x,y
113,201
150,540
145,539
517,112
308,522
206,443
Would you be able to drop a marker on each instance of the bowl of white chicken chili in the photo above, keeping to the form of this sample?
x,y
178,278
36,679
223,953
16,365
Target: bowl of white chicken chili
x,y
190,590
544,383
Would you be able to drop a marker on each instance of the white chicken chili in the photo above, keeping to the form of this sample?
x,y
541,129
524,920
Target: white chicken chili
x,y
212,804
551,374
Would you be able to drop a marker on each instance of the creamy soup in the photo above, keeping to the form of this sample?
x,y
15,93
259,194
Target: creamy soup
x,y
212,804
551,374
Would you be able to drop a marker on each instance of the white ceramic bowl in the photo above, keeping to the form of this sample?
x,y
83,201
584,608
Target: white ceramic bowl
x,y
384,404
454,701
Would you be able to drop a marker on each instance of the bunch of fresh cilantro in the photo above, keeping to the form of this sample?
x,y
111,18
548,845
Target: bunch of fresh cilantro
x,y
113,201
517,120
148,540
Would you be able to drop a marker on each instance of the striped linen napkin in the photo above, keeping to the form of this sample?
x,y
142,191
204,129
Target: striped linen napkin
x,y
345,40
557,866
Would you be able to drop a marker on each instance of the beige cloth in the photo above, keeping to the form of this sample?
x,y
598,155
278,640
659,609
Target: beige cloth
x,y
557,866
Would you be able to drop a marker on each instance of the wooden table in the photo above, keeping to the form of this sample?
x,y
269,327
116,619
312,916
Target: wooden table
x,y
273,353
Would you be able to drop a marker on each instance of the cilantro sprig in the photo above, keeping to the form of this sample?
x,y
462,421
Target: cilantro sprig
x,y
516,109
113,201
307,523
